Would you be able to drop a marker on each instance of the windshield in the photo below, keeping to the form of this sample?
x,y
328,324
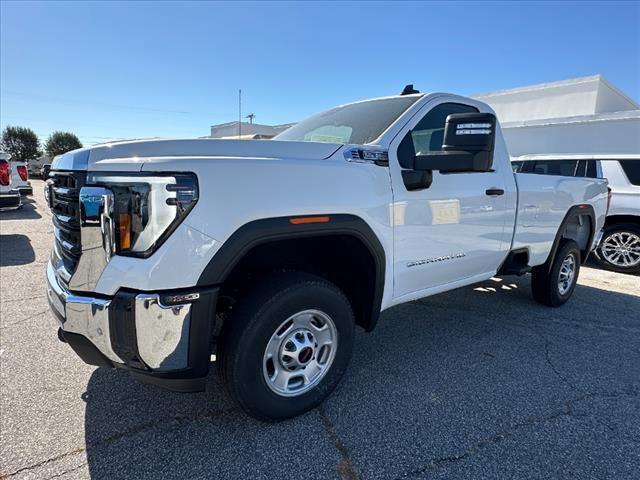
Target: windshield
x,y
357,123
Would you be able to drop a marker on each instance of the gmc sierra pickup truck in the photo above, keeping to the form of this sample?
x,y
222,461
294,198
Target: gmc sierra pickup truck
x,y
264,256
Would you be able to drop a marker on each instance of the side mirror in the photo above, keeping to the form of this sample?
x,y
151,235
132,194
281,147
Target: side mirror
x,y
468,145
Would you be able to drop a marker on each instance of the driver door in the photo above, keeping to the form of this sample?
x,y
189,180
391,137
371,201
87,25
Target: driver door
x,y
451,231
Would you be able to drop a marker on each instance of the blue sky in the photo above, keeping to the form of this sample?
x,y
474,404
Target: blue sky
x,y
127,70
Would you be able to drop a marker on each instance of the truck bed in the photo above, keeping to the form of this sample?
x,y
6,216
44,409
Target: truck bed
x,y
543,203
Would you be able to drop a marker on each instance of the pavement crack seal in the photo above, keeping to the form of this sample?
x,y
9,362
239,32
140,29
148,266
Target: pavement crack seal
x,y
75,451
346,469
553,367
22,299
120,435
547,354
68,471
22,320
567,410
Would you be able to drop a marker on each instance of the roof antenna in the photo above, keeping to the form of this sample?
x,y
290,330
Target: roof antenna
x,y
408,90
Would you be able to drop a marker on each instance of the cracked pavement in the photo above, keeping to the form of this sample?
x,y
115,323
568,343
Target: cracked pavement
x,y
477,383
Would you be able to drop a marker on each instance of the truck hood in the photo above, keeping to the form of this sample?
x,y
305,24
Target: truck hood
x,y
130,155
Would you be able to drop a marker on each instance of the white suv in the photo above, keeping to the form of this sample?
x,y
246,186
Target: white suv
x,y
619,248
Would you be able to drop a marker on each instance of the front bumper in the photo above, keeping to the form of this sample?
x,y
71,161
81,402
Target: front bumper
x,y
10,199
161,337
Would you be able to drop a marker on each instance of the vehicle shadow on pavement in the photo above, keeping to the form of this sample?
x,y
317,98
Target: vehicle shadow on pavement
x,y
28,211
133,430
16,249
478,380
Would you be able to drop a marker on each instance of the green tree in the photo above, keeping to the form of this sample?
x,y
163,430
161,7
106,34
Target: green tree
x,y
21,143
61,142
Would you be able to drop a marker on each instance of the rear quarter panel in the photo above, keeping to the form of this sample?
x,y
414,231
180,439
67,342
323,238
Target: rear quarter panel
x,y
543,202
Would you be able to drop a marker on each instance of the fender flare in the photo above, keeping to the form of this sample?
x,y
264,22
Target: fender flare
x,y
258,232
574,212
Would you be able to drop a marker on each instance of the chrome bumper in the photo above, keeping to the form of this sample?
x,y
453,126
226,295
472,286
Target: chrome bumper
x,y
135,330
10,199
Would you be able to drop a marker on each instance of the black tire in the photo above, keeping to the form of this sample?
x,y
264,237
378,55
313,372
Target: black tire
x,y
632,228
259,314
545,281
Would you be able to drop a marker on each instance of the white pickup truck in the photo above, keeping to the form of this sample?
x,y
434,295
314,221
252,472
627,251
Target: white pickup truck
x,y
265,255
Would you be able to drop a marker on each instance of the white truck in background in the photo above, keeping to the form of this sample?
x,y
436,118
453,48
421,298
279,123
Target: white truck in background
x,y
268,254
20,176
619,249
9,195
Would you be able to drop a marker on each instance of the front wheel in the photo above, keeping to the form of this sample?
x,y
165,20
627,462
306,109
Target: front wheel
x,y
619,249
554,286
287,346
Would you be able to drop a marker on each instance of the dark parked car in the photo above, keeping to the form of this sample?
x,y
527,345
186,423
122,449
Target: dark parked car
x,y
44,171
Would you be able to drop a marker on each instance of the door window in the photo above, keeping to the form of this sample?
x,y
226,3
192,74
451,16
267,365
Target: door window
x,y
516,166
586,168
428,134
632,170
591,170
566,168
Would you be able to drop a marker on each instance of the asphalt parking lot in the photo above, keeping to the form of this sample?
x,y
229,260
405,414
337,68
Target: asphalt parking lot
x,y
477,383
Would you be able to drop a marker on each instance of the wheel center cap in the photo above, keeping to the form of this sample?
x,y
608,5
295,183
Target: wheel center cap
x,y
305,355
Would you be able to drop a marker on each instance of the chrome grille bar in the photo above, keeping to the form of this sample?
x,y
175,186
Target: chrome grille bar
x,y
65,208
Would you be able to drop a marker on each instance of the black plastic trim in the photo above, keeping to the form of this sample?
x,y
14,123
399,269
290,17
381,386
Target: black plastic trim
x,y
122,327
86,350
54,311
512,264
266,230
574,212
417,180
182,385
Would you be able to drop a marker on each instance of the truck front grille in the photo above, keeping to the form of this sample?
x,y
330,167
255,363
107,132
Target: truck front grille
x,y
64,193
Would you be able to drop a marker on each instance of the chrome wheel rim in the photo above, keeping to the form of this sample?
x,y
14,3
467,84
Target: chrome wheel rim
x,y
567,274
621,249
300,353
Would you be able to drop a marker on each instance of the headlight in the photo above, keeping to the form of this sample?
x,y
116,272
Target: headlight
x,y
147,208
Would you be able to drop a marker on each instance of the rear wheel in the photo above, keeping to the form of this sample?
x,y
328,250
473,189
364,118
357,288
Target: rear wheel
x,y
554,286
619,249
287,345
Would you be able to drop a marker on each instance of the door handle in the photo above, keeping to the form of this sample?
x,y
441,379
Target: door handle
x,y
494,192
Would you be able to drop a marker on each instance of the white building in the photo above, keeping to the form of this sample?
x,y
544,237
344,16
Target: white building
x,y
247,131
580,115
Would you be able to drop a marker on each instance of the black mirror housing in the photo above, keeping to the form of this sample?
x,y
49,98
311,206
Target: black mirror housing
x,y
470,132
469,141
